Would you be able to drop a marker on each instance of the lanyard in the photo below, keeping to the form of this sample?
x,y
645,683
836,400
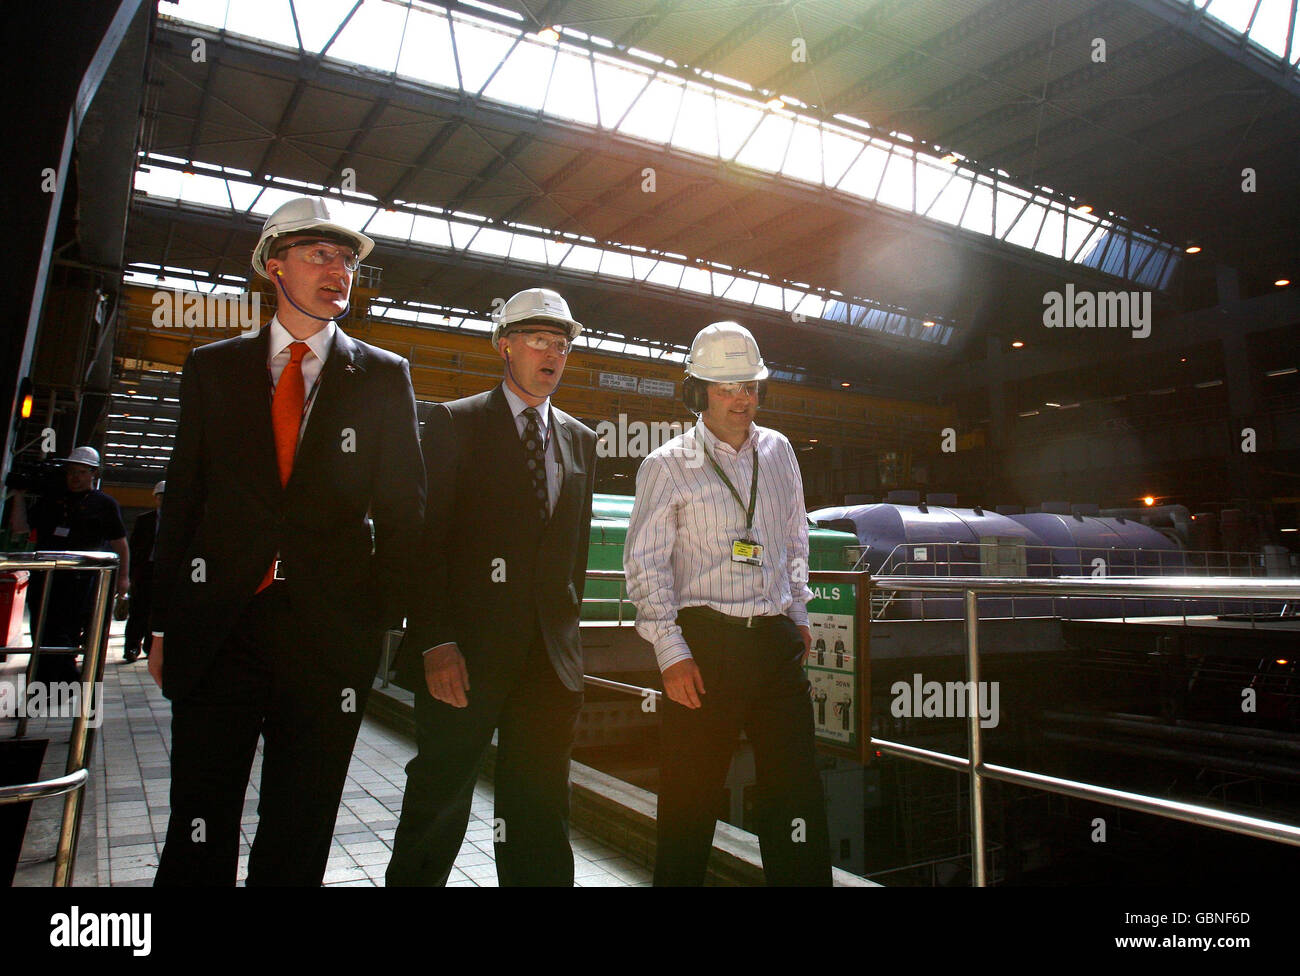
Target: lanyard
x,y
753,485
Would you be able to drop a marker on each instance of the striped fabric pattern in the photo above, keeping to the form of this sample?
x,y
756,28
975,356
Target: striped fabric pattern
x,y
684,520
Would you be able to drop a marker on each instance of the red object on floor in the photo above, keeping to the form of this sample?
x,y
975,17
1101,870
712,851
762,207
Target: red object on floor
x,y
13,598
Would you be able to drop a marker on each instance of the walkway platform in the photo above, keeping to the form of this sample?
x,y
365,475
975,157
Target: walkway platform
x,y
125,819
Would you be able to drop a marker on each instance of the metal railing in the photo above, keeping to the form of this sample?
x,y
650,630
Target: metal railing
x,y
945,560
969,590
72,785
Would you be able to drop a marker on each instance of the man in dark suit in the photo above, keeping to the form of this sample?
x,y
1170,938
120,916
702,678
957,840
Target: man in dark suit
x,y
143,535
493,638
283,554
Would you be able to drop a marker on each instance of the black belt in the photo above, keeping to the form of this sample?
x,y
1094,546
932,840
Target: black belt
x,y
751,623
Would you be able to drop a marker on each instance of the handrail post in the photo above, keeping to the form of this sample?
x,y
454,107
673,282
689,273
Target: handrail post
x,y
82,739
979,869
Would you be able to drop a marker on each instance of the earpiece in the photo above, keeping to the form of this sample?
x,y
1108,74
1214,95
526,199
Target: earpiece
x,y
279,272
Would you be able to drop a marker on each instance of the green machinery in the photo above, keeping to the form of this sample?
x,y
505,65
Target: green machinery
x,y
604,599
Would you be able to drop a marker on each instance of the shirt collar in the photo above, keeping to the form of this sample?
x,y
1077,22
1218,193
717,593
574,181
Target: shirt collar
x,y
715,443
517,406
319,344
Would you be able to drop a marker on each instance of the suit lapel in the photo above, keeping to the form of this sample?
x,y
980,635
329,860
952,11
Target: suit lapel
x,y
251,404
333,394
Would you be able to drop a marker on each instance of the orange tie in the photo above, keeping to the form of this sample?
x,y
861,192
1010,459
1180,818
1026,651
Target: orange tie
x,y
286,419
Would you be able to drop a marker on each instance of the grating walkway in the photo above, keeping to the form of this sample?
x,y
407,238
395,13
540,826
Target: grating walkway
x,y
129,800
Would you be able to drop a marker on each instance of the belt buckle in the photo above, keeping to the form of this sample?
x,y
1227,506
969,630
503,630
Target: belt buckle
x,y
275,572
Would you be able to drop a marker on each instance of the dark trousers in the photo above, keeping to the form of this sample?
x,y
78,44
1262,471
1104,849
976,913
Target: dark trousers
x,y
536,717
265,682
753,680
137,624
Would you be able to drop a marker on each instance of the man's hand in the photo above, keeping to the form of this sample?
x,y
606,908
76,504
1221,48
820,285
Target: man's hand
x,y
155,659
123,586
807,641
446,676
684,684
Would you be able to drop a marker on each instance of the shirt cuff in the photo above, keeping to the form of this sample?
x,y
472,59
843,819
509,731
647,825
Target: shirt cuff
x,y
437,646
798,612
155,633
671,649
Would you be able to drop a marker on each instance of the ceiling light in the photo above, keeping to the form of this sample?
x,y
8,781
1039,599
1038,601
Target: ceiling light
x,y
928,323
775,103
846,383
1017,344
1282,372
1282,282
1148,501
950,158
1083,208
1049,403
548,34
1192,249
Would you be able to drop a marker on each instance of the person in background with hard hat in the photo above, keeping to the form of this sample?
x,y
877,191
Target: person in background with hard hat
x,y
82,519
493,638
143,535
270,594
717,564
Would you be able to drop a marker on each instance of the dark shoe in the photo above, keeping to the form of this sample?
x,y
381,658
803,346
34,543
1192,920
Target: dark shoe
x,y
129,656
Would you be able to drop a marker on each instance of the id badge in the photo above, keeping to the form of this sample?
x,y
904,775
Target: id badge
x,y
745,551
62,531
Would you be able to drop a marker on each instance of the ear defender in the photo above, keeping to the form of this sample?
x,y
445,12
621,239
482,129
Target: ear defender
x,y
694,394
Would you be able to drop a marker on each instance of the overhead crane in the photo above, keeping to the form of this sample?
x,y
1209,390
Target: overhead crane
x,y
446,365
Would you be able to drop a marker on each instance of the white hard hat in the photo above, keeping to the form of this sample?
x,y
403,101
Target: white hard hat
x,y
82,455
534,305
159,488
725,352
302,215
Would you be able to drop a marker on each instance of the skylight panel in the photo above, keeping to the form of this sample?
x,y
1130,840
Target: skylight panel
x,y
617,264
617,87
572,95
557,251
896,188
737,121
318,26
655,112
863,177
427,53
1051,237
769,296
524,77
270,20
697,122
696,280
207,13
766,148
665,273
838,153
931,181
641,267
391,223
951,202
490,240
803,159
1025,230
1077,233
582,258
431,230
525,247
481,49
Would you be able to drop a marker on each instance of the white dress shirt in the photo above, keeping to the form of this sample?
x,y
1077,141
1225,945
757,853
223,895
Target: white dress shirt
x,y
554,466
684,520
313,362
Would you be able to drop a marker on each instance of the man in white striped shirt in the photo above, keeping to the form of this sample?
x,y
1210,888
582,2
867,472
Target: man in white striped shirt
x,y
717,564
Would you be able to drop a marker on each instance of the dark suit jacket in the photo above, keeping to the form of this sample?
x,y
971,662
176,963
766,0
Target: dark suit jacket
x,y
359,456
142,538
481,510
